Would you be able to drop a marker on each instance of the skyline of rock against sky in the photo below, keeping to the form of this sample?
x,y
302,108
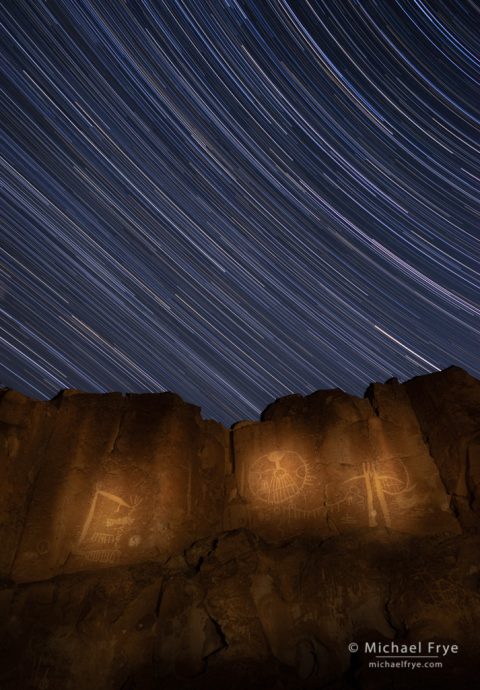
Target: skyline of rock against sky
x,y
237,200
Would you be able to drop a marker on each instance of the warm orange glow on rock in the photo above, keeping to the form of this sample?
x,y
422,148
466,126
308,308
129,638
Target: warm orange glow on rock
x,y
350,469
145,547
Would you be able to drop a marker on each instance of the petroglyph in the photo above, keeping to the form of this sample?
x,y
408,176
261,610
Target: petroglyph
x,y
119,522
102,538
92,513
102,556
283,494
277,477
108,523
281,485
371,489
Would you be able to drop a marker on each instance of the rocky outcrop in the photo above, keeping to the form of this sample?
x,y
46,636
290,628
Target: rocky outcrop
x,y
102,480
331,463
447,406
237,612
145,547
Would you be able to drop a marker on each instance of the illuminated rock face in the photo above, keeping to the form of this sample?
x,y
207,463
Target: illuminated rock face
x,y
110,480
331,463
144,547
103,480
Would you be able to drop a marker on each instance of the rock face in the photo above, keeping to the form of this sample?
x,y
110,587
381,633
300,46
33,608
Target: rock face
x,y
331,463
447,406
144,547
103,480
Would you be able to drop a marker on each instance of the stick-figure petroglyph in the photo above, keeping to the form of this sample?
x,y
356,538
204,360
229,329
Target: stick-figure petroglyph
x,y
378,480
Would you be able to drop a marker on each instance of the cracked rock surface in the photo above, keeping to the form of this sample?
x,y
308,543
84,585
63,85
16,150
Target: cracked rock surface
x,y
145,547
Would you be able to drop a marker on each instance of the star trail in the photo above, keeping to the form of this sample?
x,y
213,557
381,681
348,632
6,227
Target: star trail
x,y
235,201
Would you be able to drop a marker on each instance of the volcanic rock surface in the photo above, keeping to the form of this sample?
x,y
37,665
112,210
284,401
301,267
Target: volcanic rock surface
x,y
145,547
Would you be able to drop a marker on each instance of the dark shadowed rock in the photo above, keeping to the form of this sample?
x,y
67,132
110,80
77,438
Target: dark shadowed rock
x,y
24,432
447,406
250,615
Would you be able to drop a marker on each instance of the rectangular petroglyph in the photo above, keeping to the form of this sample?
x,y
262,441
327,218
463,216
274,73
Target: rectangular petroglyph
x,y
102,556
109,519
285,487
102,538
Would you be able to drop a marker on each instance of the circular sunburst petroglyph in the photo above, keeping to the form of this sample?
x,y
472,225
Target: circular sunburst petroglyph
x,y
277,477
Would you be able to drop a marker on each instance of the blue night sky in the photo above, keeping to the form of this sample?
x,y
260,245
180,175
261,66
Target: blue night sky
x,y
237,200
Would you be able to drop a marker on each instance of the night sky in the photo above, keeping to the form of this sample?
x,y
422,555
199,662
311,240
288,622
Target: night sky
x,y
235,201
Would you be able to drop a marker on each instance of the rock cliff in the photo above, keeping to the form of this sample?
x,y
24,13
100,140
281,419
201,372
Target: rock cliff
x,y
145,547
